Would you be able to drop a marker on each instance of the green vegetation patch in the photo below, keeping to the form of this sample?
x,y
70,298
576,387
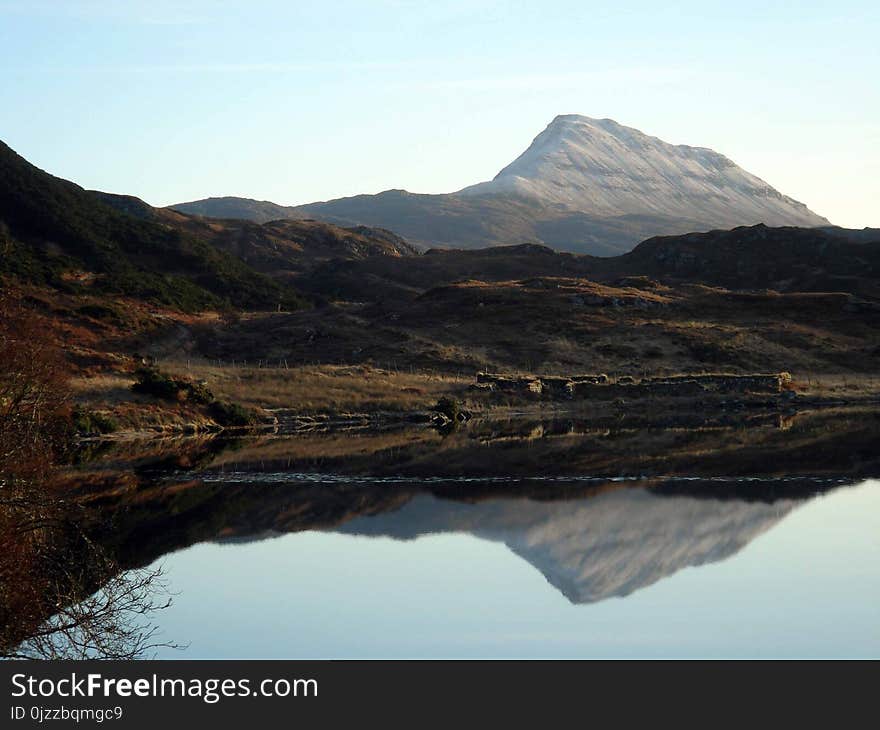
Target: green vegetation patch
x,y
86,422
149,380
152,381
54,232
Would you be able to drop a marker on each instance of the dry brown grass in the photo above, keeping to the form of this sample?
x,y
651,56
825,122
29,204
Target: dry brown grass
x,y
838,386
109,389
321,388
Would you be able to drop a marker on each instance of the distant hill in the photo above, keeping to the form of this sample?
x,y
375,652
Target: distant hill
x,y
583,185
747,258
54,232
758,257
479,221
859,235
259,211
279,248
375,279
453,221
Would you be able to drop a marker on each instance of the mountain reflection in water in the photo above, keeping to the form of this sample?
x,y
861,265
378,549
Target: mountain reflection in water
x,y
601,509
591,549
630,571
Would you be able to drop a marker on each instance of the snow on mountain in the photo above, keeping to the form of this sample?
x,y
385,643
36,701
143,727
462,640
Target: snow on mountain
x,y
603,168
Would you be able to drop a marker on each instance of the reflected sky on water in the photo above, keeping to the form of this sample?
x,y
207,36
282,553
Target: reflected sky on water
x,y
628,573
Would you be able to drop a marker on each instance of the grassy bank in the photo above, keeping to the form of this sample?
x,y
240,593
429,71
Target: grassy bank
x,y
323,388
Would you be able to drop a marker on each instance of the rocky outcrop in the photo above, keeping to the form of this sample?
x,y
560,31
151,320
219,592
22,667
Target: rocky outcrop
x,y
522,385
556,388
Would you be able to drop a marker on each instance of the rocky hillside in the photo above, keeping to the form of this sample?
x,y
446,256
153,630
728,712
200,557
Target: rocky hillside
x,y
280,248
758,257
387,279
746,258
295,246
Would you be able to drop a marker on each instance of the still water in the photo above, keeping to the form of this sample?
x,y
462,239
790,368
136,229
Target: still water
x,y
627,571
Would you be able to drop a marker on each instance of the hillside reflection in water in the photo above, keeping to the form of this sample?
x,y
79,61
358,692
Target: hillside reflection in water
x,y
723,535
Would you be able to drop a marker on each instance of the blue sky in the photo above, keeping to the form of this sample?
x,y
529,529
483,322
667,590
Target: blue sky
x,y
302,101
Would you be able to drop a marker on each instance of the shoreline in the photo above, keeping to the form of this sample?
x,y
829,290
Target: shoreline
x,y
649,412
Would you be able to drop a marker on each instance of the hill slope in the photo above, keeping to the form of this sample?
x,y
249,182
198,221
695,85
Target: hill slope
x,y
784,259
747,258
259,211
456,221
54,232
279,248
753,299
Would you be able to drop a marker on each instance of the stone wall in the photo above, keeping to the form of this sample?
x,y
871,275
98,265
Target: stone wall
x,y
603,387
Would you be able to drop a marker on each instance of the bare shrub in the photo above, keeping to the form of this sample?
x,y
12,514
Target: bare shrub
x,y
34,406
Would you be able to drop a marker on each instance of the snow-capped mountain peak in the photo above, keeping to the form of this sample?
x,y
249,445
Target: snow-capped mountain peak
x,y
601,167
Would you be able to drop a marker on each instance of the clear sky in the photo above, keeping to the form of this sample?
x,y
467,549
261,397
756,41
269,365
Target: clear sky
x,y
302,101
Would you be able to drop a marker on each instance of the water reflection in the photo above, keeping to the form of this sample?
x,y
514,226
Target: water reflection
x,y
591,549
643,573
601,509
61,594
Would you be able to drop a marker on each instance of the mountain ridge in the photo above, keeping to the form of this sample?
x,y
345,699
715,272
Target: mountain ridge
x,y
583,186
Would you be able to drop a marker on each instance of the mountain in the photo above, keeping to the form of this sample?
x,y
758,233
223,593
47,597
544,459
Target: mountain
x,y
54,232
583,185
600,167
